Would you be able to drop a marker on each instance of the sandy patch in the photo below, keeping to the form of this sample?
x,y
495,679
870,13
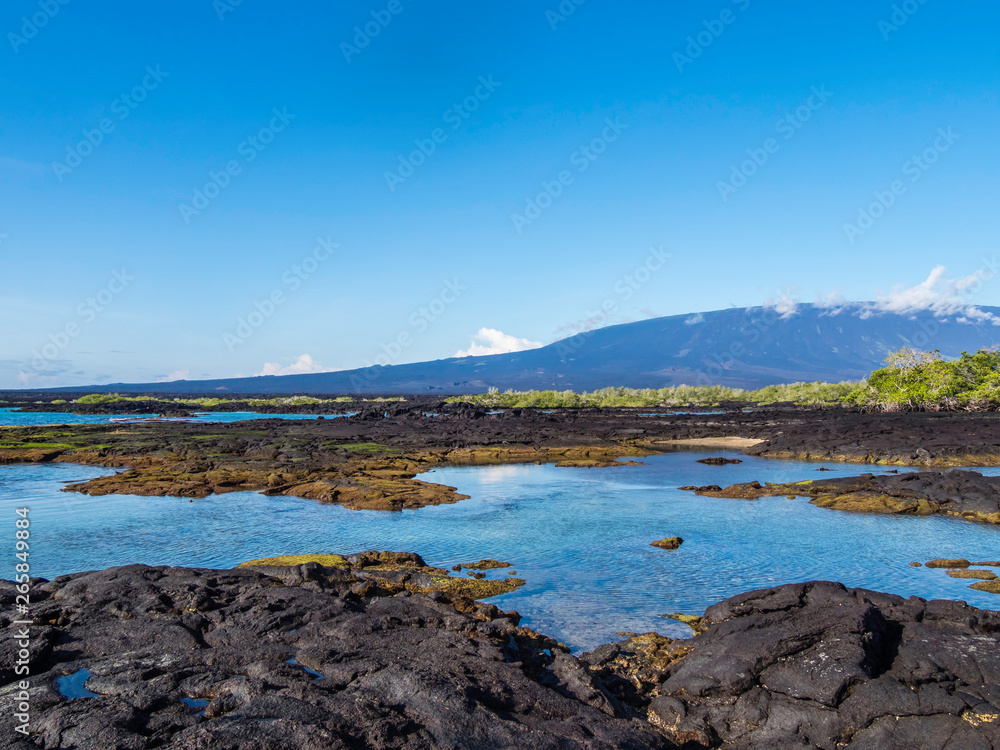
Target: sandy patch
x,y
738,443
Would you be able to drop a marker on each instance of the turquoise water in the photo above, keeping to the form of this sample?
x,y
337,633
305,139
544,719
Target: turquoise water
x,y
27,418
12,417
580,537
73,686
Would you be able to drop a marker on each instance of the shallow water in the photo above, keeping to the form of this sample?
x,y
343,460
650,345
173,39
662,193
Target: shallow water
x,y
12,417
73,686
580,537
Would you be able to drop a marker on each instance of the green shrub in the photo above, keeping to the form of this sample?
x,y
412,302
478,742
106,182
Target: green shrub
x,y
682,395
922,381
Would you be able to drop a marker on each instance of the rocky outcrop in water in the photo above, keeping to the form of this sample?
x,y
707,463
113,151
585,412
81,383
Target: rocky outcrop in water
x,y
670,543
966,494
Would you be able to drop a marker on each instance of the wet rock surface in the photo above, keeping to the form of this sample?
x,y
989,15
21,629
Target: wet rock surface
x,y
966,494
367,654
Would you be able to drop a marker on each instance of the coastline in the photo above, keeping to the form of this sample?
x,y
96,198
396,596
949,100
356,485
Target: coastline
x,y
371,460
377,650
645,691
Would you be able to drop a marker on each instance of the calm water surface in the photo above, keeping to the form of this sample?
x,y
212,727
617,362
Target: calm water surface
x,y
580,537
13,417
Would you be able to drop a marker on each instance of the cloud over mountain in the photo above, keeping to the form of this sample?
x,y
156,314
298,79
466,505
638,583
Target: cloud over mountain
x,y
491,341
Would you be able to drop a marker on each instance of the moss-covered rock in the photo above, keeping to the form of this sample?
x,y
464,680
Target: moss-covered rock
x,y
327,561
983,575
672,542
992,587
387,573
695,622
483,565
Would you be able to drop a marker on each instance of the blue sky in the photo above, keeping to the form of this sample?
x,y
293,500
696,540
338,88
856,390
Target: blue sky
x,y
390,194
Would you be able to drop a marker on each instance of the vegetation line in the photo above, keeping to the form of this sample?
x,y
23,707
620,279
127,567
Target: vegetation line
x,y
682,395
912,380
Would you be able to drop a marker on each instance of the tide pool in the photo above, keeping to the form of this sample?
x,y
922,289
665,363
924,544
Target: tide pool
x,y
580,537
15,418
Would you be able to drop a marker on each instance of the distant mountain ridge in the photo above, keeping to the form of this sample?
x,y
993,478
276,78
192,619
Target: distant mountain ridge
x,y
745,347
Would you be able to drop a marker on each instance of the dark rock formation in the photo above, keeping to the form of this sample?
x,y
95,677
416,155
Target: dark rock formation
x,y
817,665
276,658
372,652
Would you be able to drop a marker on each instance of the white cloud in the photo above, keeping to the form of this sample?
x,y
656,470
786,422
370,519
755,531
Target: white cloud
x,y
492,341
832,300
181,374
301,366
939,295
786,305
694,320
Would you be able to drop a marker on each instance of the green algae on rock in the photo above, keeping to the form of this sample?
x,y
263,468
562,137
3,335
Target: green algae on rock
x,y
395,572
670,543
483,565
695,622
329,461
327,561
991,587
945,563
983,575
964,494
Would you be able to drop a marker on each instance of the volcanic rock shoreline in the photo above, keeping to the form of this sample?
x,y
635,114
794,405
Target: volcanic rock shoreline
x,y
381,651
376,651
370,460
